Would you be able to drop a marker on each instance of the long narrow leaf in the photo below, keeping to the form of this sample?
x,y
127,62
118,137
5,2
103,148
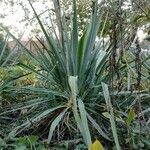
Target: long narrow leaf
x,y
97,127
112,118
84,120
74,39
33,120
55,123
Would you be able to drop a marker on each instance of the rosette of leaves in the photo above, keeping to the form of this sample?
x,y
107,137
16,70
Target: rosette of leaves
x,y
71,71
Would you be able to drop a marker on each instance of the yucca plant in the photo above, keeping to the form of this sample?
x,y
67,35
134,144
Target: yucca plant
x,y
71,70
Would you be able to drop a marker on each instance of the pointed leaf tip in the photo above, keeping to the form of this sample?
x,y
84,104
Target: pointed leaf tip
x,y
96,146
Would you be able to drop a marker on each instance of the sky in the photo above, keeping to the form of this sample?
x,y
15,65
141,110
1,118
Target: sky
x,y
15,14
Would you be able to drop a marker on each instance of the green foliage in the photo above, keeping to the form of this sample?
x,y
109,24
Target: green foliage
x,y
131,116
22,143
112,118
63,91
60,65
